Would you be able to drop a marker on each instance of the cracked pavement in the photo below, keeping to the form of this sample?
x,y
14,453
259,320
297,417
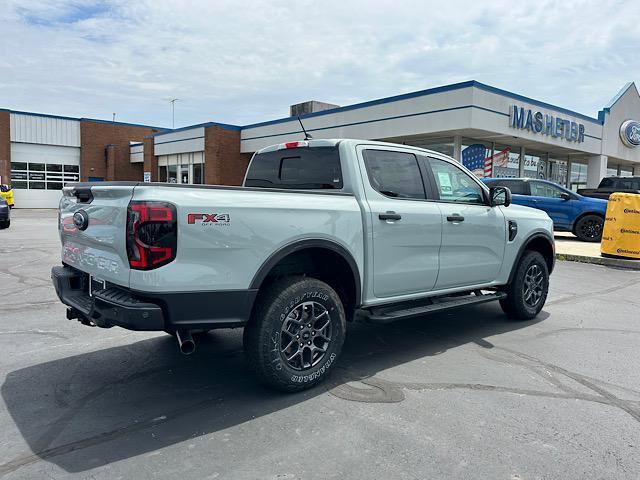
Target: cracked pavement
x,y
463,394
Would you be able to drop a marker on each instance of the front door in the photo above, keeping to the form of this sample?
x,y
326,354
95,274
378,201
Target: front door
x,y
405,228
548,197
473,233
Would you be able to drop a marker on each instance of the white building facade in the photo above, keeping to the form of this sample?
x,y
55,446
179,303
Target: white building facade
x,y
538,139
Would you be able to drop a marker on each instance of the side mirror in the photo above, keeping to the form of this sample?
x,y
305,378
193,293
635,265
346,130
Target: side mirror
x,y
500,196
565,196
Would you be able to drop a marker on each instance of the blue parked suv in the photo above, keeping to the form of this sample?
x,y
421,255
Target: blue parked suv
x,y
569,211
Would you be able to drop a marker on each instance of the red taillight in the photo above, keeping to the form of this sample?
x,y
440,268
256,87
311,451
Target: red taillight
x,y
152,234
293,145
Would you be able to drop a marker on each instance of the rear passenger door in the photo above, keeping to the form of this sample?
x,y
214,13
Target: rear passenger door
x,y
405,229
473,233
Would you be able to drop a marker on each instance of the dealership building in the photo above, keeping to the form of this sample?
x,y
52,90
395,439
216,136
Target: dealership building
x,y
41,153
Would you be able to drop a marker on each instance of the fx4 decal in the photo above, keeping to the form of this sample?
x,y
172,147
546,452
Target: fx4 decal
x,y
209,218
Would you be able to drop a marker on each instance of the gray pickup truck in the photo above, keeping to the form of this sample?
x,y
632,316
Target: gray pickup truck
x,y
323,232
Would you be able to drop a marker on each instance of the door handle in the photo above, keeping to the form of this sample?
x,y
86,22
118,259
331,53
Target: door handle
x,y
456,217
390,216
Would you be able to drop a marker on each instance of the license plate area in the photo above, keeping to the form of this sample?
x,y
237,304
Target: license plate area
x,y
96,284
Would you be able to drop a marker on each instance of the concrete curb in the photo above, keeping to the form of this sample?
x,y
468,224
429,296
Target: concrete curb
x,y
608,262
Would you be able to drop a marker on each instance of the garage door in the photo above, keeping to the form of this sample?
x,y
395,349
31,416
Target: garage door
x,y
38,173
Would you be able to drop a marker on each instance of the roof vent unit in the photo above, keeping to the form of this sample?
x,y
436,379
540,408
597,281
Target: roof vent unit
x,y
311,106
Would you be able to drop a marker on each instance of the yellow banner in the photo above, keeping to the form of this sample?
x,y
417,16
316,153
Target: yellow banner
x,y
621,233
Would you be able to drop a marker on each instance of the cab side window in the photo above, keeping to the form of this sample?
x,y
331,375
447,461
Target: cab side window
x,y
453,184
517,187
394,174
539,189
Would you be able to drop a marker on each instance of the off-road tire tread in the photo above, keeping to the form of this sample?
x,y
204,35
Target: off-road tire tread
x,y
256,335
513,306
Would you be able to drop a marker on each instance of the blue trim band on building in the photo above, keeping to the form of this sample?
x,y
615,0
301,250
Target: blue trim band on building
x,y
431,91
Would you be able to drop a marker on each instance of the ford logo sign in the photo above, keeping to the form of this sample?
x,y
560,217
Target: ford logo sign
x,y
630,133
81,220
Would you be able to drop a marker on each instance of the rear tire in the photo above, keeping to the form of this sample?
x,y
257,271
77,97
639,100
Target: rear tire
x,y
589,228
295,334
527,292
5,224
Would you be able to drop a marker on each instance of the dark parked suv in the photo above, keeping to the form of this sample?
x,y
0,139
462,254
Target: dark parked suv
x,y
611,185
569,211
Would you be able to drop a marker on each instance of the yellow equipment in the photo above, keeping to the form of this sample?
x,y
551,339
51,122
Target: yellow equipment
x,y
7,193
621,233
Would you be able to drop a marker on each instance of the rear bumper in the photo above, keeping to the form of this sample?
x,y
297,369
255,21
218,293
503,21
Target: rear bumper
x,y
107,308
135,310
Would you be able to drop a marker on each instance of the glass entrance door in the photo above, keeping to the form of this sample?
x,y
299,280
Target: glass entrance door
x,y
181,168
185,174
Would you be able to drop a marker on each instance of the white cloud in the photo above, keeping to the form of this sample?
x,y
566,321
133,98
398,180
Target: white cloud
x,y
247,61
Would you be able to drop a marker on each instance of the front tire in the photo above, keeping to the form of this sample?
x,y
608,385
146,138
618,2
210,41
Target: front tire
x,y
295,334
5,224
527,292
589,228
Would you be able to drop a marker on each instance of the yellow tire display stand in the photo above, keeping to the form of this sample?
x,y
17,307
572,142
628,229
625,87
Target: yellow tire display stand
x,y
621,232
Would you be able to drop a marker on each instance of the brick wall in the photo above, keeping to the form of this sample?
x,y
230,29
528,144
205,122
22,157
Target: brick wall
x,y
105,150
5,147
224,164
150,160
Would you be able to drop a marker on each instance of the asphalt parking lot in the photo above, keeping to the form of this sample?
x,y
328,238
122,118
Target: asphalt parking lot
x,y
466,394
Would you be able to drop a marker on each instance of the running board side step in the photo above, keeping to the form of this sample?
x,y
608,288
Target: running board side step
x,y
388,314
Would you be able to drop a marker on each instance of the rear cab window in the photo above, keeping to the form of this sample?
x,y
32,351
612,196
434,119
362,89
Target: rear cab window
x,y
303,168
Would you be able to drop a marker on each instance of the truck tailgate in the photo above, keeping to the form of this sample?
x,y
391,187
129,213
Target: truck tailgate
x,y
98,246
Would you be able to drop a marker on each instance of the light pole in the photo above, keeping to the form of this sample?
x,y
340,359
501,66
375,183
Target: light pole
x,y
173,112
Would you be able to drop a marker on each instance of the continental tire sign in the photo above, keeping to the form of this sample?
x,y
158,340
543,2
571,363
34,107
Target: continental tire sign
x,y
621,233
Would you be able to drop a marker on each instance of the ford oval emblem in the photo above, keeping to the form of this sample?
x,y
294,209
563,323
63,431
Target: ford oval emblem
x,y
630,133
81,220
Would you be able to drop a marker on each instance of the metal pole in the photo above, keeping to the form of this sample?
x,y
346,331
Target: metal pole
x,y
173,112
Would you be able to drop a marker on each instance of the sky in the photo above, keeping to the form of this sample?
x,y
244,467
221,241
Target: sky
x,y
242,62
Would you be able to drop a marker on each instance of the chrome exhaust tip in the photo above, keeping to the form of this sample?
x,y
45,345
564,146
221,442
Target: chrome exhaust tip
x,y
185,341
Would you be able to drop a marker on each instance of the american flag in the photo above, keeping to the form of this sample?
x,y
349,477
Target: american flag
x,y
473,157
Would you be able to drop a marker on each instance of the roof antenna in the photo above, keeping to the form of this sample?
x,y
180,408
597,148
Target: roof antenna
x,y
307,136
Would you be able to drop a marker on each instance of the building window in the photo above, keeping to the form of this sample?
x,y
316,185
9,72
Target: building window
x,y
181,168
626,171
43,176
535,165
198,177
510,168
172,175
557,171
578,177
